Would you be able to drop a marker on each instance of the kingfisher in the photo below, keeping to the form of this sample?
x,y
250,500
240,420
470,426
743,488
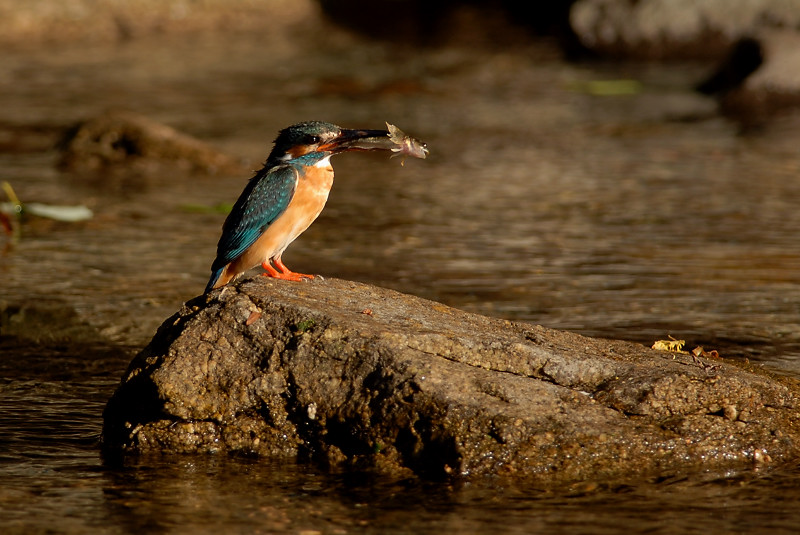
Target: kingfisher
x,y
289,192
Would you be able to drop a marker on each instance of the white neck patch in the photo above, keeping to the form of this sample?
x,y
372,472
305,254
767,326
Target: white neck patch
x,y
325,162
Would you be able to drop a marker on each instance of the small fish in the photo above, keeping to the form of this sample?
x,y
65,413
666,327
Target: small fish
x,y
406,145
395,140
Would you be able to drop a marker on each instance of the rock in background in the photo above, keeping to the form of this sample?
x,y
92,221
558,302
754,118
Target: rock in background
x,y
755,41
122,139
670,29
774,85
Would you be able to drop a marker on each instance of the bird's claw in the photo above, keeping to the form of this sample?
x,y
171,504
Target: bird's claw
x,y
288,276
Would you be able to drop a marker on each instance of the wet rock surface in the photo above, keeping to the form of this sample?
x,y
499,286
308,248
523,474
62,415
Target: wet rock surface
x,y
353,375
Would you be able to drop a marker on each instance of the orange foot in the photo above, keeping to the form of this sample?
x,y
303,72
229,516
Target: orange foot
x,y
284,273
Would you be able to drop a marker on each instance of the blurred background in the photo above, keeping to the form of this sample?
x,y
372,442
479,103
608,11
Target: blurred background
x,y
618,168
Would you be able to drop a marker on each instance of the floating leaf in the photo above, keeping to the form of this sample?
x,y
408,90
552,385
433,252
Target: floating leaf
x,y
221,208
69,214
50,211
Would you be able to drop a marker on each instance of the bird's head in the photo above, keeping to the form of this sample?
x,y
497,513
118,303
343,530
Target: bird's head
x,y
325,139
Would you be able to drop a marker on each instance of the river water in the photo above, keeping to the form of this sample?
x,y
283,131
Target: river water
x,y
639,214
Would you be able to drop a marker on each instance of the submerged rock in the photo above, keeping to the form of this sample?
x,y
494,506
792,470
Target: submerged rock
x,y
352,375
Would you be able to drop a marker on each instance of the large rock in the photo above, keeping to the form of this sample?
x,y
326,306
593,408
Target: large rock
x,y
354,375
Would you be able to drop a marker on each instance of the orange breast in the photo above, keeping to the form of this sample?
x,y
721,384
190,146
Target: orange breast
x,y
306,204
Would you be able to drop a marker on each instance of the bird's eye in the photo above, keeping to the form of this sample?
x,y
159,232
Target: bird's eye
x,y
312,140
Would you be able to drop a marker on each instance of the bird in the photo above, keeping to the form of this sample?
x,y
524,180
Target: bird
x,y
289,192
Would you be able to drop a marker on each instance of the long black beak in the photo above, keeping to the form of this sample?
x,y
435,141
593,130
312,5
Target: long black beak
x,y
359,140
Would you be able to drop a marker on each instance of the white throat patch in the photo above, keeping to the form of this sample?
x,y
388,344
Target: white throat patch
x,y
325,162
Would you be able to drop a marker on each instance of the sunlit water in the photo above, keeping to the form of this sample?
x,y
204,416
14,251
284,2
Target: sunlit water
x,y
631,216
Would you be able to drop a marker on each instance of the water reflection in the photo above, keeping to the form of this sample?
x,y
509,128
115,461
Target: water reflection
x,y
210,494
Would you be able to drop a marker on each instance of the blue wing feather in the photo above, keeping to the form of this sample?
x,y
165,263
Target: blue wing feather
x,y
263,200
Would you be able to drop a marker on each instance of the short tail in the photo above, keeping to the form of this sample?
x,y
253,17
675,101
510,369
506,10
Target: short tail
x,y
215,275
